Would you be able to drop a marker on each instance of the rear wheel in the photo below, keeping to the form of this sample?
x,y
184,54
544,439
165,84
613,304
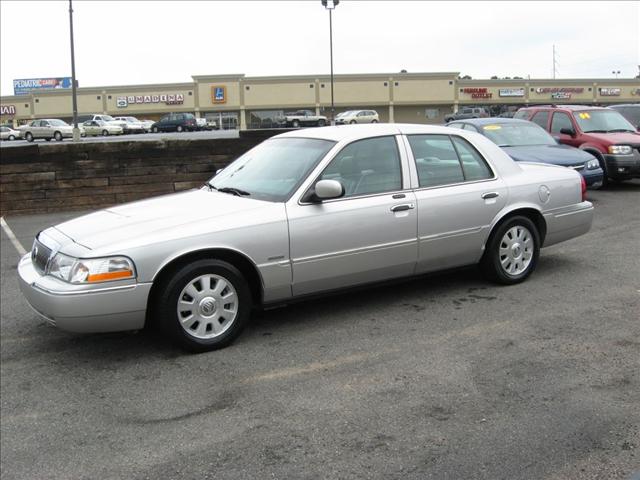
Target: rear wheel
x,y
321,122
512,252
295,124
204,305
374,121
57,136
105,133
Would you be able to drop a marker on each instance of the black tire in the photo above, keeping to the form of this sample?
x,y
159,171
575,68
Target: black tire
x,y
28,137
352,122
179,128
57,136
154,130
168,297
374,121
105,133
48,139
321,122
491,266
295,124
12,137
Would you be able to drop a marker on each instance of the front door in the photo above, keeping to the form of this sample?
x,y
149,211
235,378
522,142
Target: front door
x,y
367,235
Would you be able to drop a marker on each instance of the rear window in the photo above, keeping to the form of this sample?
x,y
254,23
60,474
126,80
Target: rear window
x,y
522,115
541,118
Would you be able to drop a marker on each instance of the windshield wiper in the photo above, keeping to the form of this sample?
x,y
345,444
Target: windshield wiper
x,y
232,190
620,130
595,131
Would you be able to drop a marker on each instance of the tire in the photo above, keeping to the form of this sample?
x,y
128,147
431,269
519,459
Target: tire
x,y
352,122
28,137
374,121
48,139
105,133
321,122
179,297
603,166
12,137
179,128
154,129
295,124
512,251
57,136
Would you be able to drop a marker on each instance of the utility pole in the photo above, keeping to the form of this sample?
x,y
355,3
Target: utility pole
x,y
555,64
330,5
76,130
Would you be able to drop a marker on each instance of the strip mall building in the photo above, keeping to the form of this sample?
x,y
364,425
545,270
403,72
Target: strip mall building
x,y
237,101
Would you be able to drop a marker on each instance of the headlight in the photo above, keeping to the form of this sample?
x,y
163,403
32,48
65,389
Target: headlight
x,y
591,164
620,149
90,270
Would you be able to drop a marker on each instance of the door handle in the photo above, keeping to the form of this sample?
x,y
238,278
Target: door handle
x,y
488,195
402,207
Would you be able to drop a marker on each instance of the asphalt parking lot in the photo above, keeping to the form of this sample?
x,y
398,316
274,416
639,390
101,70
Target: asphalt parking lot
x,y
137,137
445,377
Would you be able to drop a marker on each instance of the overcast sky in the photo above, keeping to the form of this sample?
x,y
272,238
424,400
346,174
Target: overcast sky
x,y
127,42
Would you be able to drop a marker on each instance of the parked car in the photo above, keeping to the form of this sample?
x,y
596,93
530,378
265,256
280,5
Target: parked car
x,y
468,112
92,128
202,123
102,117
525,141
302,118
175,122
147,125
212,124
601,131
630,111
305,212
47,128
8,133
131,125
357,116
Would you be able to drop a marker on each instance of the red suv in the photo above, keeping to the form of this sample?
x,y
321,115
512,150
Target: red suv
x,y
601,131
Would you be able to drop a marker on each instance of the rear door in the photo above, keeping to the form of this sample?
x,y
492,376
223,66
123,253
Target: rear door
x,y
458,196
367,235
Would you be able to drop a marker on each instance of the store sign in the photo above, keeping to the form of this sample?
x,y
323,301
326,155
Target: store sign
x,y
477,92
7,109
610,92
219,94
561,95
511,92
559,90
168,99
24,86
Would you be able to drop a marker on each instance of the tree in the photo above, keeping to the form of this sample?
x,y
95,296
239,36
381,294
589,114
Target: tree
x,y
466,77
495,77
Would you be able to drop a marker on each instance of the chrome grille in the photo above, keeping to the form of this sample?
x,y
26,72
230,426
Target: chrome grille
x,y
40,255
577,167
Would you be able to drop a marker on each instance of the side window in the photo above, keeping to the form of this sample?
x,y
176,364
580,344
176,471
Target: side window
x,y
541,118
367,166
473,165
560,120
522,114
436,160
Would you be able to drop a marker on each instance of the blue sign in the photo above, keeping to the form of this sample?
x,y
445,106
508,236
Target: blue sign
x,y
219,94
24,86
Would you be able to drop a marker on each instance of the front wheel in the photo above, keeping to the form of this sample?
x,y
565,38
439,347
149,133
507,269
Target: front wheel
x,y
29,137
105,133
179,128
295,124
154,130
512,252
57,136
374,121
321,122
204,305
12,137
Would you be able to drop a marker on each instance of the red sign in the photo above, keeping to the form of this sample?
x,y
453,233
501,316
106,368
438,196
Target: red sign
x,y
7,109
478,92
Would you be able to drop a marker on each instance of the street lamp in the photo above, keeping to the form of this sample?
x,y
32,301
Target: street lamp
x,y
76,130
616,73
330,5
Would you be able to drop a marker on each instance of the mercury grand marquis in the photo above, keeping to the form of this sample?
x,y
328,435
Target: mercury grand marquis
x,y
303,213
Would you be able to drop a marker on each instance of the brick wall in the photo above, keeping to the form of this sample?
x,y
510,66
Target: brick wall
x,y
39,178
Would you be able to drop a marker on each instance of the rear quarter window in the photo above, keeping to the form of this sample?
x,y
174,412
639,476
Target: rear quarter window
x,y
522,115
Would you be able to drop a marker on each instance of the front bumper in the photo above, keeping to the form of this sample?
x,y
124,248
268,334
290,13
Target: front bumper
x,y
593,178
110,308
623,166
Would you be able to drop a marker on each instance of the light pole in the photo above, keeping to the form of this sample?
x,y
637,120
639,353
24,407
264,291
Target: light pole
x,y
330,5
76,130
616,73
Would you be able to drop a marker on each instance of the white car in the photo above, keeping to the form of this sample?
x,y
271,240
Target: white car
x,y
103,117
131,125
7,133
147,124
100,127
357,116
47,128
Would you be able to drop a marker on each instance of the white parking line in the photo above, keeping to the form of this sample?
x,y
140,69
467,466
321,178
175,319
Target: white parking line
x,y
12,237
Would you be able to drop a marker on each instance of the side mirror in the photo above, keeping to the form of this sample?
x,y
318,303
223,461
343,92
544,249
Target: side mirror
x,y
568,131
324,190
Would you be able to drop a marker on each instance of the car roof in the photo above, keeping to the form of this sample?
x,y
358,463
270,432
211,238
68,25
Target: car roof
x,y
565,107
353,132
490,121
626,105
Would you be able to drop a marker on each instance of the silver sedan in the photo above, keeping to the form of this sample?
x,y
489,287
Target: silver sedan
x,y
303,213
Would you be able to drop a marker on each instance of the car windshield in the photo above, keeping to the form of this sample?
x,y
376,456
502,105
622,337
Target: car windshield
x,y
633,115
603,121
517,134
107,118
58,123
132,119
274,169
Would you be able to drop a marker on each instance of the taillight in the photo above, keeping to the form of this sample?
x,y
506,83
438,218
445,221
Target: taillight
x,y
584,188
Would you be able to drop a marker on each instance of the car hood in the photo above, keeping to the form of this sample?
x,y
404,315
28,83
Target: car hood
x,y
554,154
150,218
619,138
